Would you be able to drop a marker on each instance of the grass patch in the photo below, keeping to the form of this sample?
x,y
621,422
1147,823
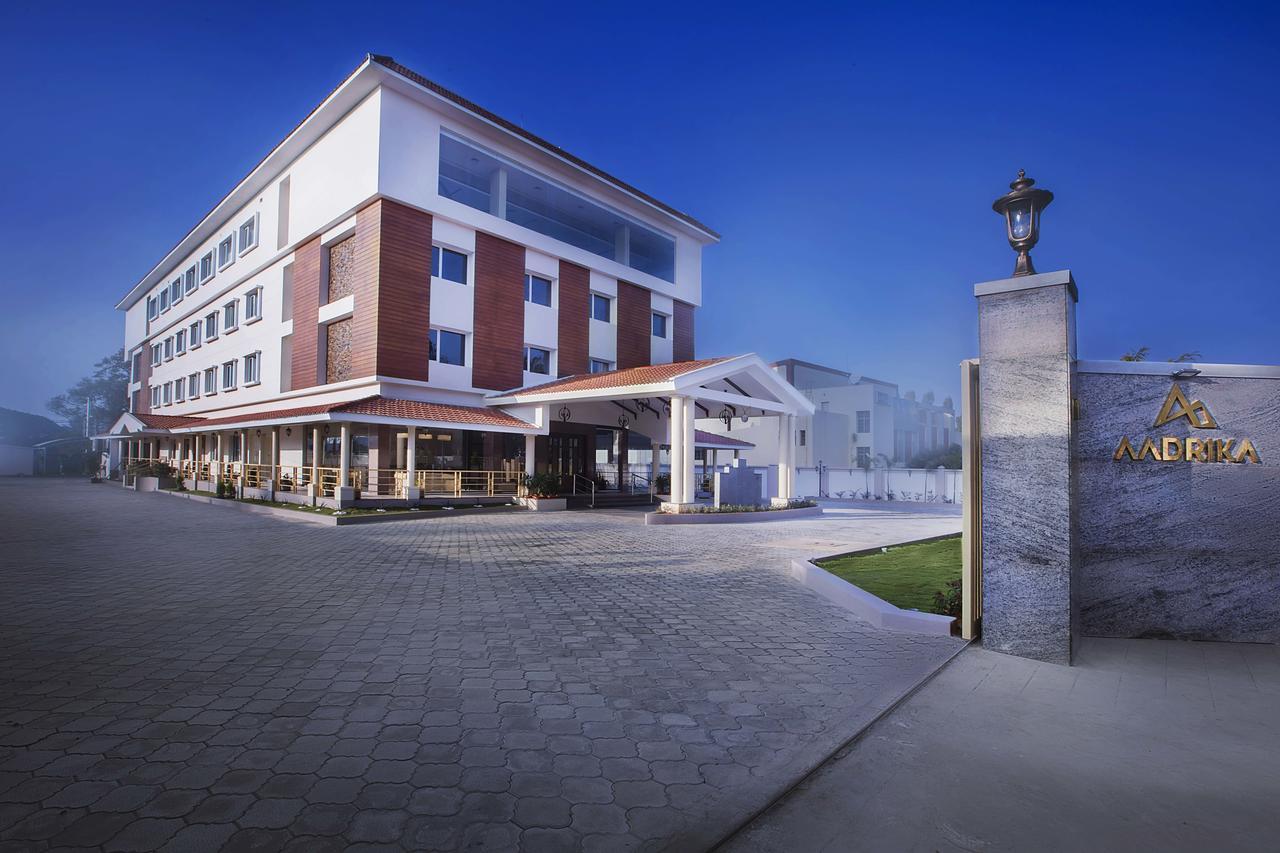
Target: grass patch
x,y
907,576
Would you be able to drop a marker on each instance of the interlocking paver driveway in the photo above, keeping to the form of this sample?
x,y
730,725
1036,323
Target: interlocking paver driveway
x,y
179,676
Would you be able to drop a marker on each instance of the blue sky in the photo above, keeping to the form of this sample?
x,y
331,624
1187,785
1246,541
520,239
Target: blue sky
x,y
847,152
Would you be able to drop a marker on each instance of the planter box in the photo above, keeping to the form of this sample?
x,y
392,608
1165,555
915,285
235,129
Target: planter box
x,y
873,609
153,484
545,504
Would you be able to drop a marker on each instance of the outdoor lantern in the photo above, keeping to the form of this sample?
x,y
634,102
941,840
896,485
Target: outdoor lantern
x,y
1021,210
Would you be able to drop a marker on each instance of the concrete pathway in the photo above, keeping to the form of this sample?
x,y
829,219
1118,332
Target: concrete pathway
x,y
180,676
1145,745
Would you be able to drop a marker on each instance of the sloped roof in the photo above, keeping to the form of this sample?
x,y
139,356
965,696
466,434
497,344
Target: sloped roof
x,y
646,375
714,439
166,421
412,410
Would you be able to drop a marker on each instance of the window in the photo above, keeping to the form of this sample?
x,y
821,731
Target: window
x,y
179,390
175,291
800,438
168,393
211,326
180,342
164,300
168,348
537,290
659,325
601,308
135,366
157,354
228,376
227,251
193,334
448,264
862,422
253,305
447,347
598,366
864,457
229,321
153,307
249,233
882,399
252,363
537,360
155,396
189,282
211,380
540,204
193,385
205,266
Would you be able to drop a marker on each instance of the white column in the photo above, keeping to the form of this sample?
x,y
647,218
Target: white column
x,y
675,430
344,456
784,448
690,449
411,465
530,443
275,453
315,458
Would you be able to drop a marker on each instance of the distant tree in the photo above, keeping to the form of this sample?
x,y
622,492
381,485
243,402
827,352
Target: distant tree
x,y
107,391
1141,353
947,457
1194,355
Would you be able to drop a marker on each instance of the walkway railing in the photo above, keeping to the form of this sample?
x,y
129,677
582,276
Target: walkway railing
x,y
458,484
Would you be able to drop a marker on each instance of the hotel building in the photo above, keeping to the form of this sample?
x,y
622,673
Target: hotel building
x,y
412,299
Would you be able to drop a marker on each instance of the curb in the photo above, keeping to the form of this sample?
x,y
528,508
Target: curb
x,y
732,517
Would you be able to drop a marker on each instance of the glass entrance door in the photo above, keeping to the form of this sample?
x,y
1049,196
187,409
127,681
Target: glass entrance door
x,y
566,455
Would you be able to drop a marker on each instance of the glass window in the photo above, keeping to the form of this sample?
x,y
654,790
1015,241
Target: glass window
x,y
205,266
227,251
168,348
155,396
251,368
153,308
863,422
601,308
537,360
864,457
211,380
253,304
249,234
211,326
135,366
448,264
193,334
175,291
189,282
540,204
229,321
193,385
537,290
659,325
179,390
168,393
447,347
180,342
157,354
801,438
228,375
164,300
598,366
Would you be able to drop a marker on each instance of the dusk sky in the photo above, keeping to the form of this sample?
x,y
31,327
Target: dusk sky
x,y
848,153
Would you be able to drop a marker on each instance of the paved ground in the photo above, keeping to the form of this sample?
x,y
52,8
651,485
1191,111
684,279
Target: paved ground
x,y
1145,745
187,677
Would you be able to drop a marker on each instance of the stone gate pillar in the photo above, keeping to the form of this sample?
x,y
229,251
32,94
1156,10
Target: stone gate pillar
x,y
1026,339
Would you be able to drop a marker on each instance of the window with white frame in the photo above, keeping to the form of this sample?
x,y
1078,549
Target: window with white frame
x,y
862,421
659,325
227,251
601,366
205,266
537,290
155,396
168,348
189,281
193,385
253,305
230,316
193,334
211,380
448,264
157,355
252,368
179,390
180,342
601,308
175,291
249,233
211,326
168,393
153,307
135,366
447,347
164,300
228,376
537,360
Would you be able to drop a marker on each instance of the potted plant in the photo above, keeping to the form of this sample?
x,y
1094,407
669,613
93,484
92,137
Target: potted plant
x,y
151,476
662,484
542,493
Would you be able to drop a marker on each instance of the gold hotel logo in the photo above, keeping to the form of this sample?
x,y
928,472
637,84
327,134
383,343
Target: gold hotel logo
x,y
1172,448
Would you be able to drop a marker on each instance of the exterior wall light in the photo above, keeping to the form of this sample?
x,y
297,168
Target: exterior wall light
x,y
1021,210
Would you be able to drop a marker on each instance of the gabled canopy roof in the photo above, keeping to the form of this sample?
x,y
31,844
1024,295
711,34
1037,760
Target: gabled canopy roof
x,y
742,383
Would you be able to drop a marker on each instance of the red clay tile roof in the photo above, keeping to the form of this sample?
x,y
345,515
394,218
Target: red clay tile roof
x,y
703,437
646,375
165,421
413,410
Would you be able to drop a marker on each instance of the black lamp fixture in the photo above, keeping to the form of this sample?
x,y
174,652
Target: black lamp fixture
x,y
1021,210
288,430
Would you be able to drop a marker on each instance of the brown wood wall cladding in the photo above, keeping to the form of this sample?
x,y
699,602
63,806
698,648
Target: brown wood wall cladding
x,y
305,368
392,286
634,326
498,348
682,348
575,289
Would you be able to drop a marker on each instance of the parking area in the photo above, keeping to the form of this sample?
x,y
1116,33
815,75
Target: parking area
x,y
190,677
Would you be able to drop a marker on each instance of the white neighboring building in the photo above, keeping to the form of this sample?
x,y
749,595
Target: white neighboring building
x,y
859,421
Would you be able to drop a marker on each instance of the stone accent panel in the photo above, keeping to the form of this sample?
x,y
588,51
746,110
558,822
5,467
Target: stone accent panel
x,y
305,367
682,348
634,329
342,269
498,348
338,351
574,308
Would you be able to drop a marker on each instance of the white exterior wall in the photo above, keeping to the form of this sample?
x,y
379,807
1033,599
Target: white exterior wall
x,y
602,337
661,349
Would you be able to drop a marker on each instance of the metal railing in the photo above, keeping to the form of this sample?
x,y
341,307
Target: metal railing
x,y
458,484
587,485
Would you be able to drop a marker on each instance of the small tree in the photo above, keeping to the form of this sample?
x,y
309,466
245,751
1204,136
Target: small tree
x,y
106,390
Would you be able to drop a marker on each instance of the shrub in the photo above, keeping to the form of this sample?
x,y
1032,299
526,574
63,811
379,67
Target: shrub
x,y
662,484
948,603
542,485
153,468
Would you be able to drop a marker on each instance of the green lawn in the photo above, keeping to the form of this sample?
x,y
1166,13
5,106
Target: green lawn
x,y
906,576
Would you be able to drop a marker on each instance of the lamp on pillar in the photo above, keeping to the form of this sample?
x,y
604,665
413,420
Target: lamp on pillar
x,y
1021,208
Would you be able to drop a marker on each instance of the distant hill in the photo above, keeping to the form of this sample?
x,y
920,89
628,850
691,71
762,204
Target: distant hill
x,y
26,430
